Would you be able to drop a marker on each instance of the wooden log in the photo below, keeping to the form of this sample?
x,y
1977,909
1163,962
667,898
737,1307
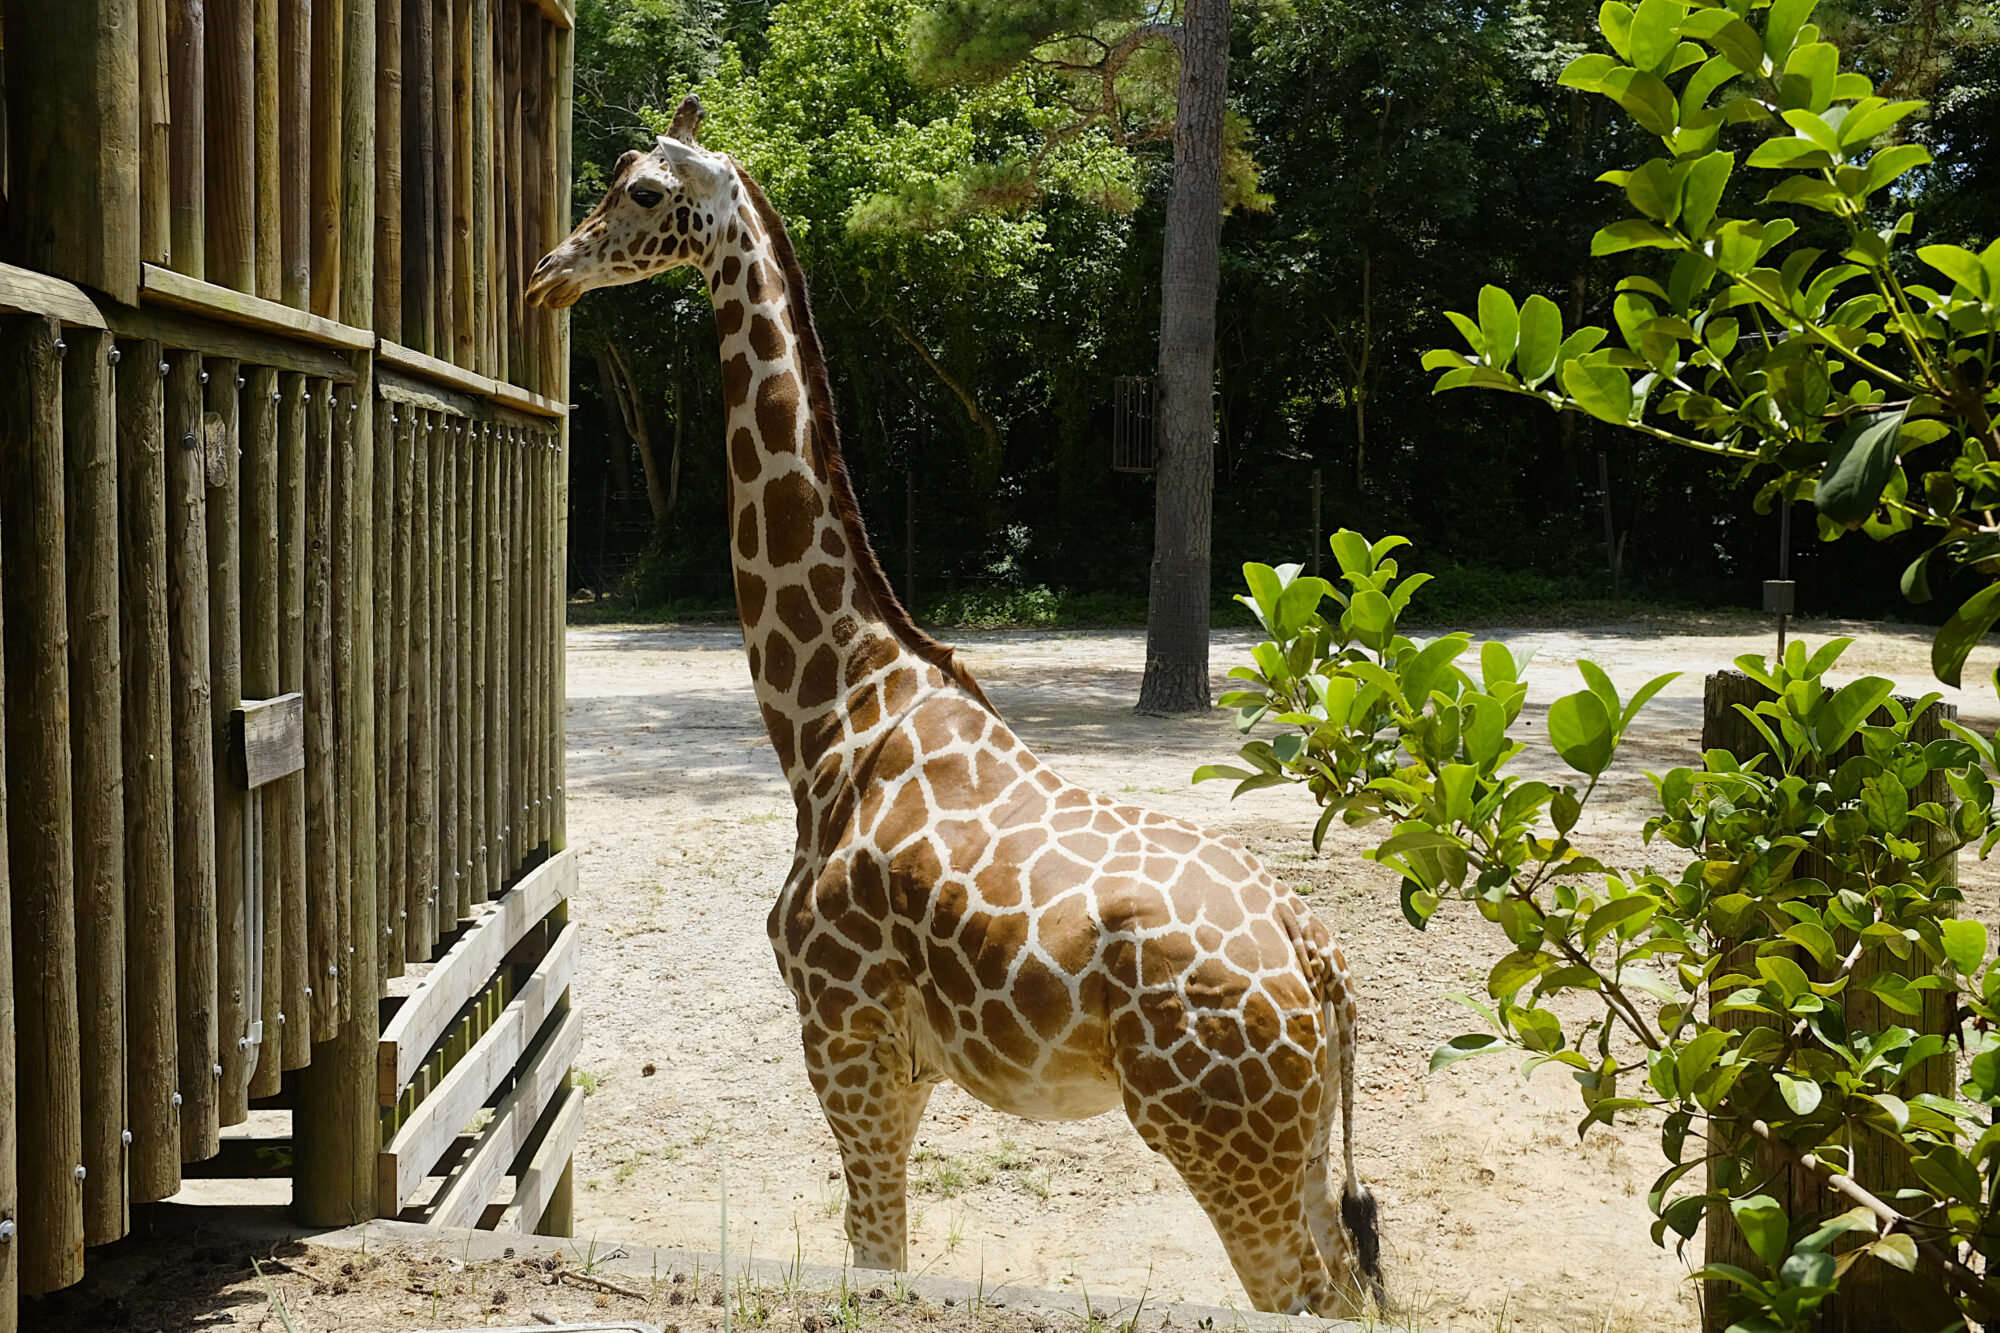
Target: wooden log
x,y
230,121
401,459
423,847
256,738
195,958
463,648
267,145
551,195
480,435
389,151
542,1173
327,954
499,867
146,754
357,189
10,1194
329,51
462,198
534,173
304,1001
444,275
483,296
39,833
382,560
72,93
335,1125
295,92
420,178
450,783
563,40
359,1062
512,182
155,144
225,661
348,672
537,638
517,629
187,45
97,775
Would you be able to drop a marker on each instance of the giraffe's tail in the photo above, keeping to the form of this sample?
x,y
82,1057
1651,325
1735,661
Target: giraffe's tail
x,y
1357,1204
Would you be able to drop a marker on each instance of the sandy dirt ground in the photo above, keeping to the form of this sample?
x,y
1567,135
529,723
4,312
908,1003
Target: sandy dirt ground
x,y
1495,1216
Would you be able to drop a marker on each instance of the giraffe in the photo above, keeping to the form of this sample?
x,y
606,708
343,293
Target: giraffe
x,y
954,909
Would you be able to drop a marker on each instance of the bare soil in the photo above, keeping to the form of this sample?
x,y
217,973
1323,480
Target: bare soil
x,y
1495,1215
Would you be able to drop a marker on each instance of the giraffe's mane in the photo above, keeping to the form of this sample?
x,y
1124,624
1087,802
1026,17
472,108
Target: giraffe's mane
x,y
826,442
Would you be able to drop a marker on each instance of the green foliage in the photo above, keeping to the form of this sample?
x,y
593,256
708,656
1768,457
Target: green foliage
x,y
1745,1002
1865,381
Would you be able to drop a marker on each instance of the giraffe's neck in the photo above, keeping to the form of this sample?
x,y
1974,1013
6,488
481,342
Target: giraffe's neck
x,y
833,658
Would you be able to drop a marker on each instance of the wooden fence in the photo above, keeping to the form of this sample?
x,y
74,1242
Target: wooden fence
x,y
282,498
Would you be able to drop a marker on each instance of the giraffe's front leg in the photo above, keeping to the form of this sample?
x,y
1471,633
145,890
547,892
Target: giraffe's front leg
x,y
863,1077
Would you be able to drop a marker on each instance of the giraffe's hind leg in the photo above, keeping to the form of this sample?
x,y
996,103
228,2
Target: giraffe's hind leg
x,y
862,1076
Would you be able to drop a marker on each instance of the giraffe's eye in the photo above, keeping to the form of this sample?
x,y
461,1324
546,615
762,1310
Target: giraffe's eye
x,y
644,196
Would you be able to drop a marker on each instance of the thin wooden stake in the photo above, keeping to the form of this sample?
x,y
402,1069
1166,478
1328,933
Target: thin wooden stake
x,y
423,707
307,996
187,137
260,630
267,144
389,151
326,947
399,461
382,531
295,90
225,661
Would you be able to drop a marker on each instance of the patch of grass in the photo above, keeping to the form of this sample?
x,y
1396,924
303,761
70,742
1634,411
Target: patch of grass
x,y
587,1080
949,1176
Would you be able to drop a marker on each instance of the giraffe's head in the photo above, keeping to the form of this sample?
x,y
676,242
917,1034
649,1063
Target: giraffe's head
x,y
664,209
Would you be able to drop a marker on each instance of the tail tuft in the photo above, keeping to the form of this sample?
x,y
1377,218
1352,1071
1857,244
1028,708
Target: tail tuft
x,y
1357,1212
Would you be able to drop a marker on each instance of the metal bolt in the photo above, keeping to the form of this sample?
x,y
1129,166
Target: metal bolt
x,y
242,1044
126,1138
309,992
61,347
6,1231
112,356
81,1173
240,381
163,367
218,1071
333,969
204,377
188,441
275,395
281,1018
177,1099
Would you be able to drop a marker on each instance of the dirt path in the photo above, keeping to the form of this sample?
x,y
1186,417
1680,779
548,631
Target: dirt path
x,y
684,829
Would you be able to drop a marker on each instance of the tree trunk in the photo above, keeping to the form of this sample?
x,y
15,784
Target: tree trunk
x,y
626,390
1176,678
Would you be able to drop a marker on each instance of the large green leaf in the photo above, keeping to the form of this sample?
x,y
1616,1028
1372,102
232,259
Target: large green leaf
x,y
1964,944
1762,1223
1580,729
1499,325
1967,626
1599,389
1841,714
1704,191
1541,337
1858,468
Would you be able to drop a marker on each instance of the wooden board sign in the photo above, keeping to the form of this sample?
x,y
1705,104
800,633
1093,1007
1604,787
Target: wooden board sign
x,y
267,739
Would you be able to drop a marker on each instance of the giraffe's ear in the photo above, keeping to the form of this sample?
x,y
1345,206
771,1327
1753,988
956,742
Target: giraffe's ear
x,y
687,120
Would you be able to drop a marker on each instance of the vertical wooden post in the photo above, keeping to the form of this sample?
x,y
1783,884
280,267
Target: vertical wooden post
x,y
232,150
193,760
155,189
444,278
538,631
534,173
97,775
270,202
336,1127
483,295
463,207
477,714
420,181
187,138
423,847
39,833
357,188
225,661
389,148
295,92
329,52
10,1193
73,161
462,650
517,675
564,43
382,555
303,1001
512,184
325,943
444,488
151,1070
499,866
356,927
397,463
259,527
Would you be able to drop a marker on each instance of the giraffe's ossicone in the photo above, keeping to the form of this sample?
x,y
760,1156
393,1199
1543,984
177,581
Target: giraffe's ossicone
x,y
955,909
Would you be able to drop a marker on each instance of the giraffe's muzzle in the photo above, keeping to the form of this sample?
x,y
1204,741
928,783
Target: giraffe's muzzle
x,y
554,283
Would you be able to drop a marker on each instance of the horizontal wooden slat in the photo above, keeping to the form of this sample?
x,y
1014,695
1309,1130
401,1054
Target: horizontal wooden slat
x,y
438,1118
34,293
175,327
425,395
543,1074
534,1181
167,287
464,971
267,739
411,362
562,13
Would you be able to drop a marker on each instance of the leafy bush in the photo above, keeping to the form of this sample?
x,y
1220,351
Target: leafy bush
x,y
1724,998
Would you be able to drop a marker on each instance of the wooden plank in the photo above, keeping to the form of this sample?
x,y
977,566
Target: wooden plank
x,y
426,396
562,13
97,773
187,152
193,759
146,753
266,729
180,329
230,122
225,664
357,189
464,969
415,1148
399,361
323,943
329,50
267,737
27,292
155,188
166,287
302,987
543,1078
40,852
295,153
389,169
73,165
266,140
548,1163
